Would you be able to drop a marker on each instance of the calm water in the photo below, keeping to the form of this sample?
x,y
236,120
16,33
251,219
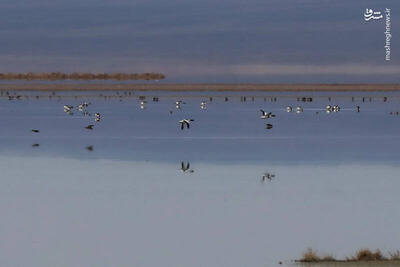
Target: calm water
x,y
331,181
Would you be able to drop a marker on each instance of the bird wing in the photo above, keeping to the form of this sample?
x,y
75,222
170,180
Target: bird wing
x,y
182,165
182,125
187,124
262,111
188,165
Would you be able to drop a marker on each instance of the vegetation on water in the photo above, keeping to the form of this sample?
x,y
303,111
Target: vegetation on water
x,y
53,76
361,255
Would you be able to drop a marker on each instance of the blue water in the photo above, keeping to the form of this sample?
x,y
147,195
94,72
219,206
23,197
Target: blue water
x,y
334,178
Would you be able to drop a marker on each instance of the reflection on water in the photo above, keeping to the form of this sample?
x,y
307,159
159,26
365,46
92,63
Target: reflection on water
x,y
134,189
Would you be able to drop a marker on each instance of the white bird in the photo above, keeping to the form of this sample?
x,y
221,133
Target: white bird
x,y
178,104
185,122
299,109
336,108
266,115
68,108
289,109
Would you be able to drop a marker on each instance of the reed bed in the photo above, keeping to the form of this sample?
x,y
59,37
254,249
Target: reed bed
x,y
361,255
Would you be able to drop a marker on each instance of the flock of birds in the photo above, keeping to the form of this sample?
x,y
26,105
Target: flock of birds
x,y
70,111
184,123
185,168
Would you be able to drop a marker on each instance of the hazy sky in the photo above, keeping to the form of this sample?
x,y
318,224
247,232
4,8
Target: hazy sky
x,y
203,41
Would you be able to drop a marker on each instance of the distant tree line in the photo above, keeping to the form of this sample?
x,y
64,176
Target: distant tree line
x,y
80,76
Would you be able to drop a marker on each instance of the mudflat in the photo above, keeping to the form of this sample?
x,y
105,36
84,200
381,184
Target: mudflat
x,y
197,87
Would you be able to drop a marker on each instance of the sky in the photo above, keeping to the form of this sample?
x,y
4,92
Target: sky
x,y
269,41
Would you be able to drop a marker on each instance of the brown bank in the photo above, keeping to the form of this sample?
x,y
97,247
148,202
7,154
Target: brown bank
x,y
200,87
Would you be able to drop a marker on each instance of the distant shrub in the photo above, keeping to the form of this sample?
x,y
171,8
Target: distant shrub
x,y
368,255
310,256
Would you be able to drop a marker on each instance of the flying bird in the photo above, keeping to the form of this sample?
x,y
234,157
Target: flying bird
x,y
185,122
266,115
35,130
268,176
89,127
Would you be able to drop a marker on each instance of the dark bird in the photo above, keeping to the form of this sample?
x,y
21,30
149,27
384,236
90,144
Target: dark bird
x,y
35,145
35,131
268,126
89,148
185,122
266,115
267,176
89,127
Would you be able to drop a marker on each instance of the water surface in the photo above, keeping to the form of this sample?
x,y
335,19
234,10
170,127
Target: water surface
x,y
249,197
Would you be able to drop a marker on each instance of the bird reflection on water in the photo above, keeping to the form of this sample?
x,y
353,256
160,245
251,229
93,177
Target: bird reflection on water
x,y
185,168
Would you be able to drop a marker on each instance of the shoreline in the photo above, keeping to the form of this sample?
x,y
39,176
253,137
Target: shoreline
x,y
201,87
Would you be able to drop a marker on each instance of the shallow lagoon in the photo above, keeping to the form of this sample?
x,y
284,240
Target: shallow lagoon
x,y
128,203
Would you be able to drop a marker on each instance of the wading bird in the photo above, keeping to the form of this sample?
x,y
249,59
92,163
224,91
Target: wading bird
x,y
68,108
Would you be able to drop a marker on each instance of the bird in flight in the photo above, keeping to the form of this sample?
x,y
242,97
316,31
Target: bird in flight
x,y
89,127
185,122
266,115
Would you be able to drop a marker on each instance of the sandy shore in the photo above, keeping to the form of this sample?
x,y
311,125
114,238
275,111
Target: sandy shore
x,y
200,87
